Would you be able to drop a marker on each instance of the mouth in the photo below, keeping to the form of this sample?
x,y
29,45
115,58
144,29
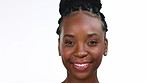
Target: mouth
x,y
81,66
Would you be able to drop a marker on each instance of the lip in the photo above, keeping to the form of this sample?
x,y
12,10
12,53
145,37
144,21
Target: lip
x,y
81,66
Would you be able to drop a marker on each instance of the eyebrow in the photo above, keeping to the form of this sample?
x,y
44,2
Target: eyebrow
x,y
93,34
89,35
68,35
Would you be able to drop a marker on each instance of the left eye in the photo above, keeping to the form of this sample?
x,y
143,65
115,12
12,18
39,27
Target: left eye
x,y
92,43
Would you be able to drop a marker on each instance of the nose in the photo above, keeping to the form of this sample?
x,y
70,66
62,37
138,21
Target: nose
x,y
80,51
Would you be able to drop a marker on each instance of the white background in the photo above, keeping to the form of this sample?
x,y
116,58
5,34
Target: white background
x,y
28,42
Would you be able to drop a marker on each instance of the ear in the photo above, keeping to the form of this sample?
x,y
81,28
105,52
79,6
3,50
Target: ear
x,y
105,47
59,47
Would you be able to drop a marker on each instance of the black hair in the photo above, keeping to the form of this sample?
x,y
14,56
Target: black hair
x,y
69,6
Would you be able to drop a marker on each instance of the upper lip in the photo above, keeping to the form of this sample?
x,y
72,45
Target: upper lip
x,y
82,62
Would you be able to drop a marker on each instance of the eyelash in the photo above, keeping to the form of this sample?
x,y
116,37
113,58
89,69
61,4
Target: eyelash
x,y
92,43
69,43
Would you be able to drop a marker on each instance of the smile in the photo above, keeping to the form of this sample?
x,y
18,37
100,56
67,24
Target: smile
x,y
81,66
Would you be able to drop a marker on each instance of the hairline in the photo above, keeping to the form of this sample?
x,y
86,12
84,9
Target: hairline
x,y
89,13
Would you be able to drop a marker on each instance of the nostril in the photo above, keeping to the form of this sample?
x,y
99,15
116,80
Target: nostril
x,y
80,50
81,54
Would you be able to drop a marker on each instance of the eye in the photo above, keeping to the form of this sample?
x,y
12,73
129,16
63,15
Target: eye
x,y
92,43
69,43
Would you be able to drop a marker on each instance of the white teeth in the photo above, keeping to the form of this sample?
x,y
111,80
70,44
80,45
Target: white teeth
x,y
80,65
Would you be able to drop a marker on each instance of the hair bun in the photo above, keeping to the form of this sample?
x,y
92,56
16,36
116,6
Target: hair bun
x,y
67,5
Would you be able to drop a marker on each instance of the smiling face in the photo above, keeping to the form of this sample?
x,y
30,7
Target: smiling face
x,y
82,45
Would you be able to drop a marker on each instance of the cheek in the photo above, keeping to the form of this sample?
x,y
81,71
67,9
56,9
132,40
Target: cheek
x,y
66,53
97,53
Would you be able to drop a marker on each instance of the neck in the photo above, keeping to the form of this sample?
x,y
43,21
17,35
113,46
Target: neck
x,y
91,79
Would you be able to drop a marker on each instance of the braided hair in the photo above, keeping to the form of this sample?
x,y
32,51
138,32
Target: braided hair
x,y
92,6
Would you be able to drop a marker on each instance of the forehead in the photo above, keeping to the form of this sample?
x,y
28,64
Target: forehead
x,y
81,23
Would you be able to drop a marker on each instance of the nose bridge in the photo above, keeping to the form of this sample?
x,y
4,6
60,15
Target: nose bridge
x,y
81,50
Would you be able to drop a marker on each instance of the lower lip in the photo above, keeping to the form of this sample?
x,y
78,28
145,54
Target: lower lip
x,y
81,68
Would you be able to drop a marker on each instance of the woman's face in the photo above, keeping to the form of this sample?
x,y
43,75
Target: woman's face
x,y
82,45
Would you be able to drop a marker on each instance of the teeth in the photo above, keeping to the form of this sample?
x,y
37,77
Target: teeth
x,y
80,65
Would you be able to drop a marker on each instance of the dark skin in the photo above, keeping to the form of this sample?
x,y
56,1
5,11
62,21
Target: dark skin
x,y
82,45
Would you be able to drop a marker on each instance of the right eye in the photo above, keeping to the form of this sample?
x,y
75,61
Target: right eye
x,y
69,43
